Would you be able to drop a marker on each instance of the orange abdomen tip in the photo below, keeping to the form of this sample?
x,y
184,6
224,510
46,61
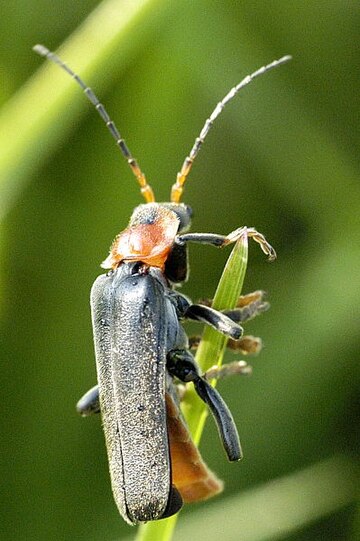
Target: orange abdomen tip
x,y
191,476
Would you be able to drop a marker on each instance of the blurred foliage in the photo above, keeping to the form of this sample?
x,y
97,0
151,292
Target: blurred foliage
x,y
283,157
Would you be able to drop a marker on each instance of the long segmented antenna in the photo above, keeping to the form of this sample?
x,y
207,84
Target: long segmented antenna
x,y
145,188
178,188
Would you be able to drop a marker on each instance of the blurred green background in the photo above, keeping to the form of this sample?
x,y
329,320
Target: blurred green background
x,y
282,157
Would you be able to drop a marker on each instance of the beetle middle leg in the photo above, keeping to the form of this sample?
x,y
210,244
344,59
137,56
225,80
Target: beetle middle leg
x,y
199,312
218,320
247,307
181,364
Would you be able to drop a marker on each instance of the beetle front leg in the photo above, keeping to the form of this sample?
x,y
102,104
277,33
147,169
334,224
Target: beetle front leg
x,y
181,364
223,240
89,403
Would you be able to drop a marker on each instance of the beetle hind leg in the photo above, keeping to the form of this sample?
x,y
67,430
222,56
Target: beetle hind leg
x,y
181,364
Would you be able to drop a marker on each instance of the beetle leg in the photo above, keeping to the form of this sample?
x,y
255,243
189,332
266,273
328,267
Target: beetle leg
x,y
249,298
181,364
89,403
194,341
240,315
176,265
247,307
180,301
223,240
219,321
246,345
243,300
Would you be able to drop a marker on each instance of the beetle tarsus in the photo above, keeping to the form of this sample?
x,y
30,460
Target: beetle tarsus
x,y
247,345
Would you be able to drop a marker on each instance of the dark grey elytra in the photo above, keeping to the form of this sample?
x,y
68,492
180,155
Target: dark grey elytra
x,y
140,344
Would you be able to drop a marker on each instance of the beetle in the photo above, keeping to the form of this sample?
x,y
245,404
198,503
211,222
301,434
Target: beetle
x,y
141,346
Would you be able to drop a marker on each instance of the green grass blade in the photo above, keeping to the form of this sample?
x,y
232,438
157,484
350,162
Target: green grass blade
x,y
161,530
281,507
212,347
210,352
